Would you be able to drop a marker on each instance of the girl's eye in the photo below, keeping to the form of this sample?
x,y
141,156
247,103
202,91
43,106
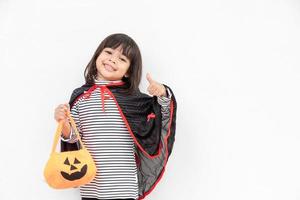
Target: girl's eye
x,y
108,52
123,59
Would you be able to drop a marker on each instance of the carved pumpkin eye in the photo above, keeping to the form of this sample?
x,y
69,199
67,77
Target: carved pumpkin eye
x,y
79,172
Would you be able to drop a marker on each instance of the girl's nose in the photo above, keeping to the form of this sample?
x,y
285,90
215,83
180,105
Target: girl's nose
x,y
113,59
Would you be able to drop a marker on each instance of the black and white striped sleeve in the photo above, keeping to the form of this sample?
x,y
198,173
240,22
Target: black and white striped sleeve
x,y
165,101
165,104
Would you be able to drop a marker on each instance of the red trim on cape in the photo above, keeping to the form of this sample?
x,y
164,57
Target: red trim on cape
x,y
166,158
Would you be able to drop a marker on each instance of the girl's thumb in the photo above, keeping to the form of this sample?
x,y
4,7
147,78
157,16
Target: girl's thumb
x,y
149,78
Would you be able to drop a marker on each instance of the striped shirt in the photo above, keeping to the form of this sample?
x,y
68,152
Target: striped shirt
x,y
107,138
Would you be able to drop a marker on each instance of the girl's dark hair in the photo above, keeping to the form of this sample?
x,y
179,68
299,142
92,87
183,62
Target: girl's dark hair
x,y
130,50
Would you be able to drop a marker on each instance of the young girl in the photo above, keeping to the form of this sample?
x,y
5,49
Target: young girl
x,y
129,134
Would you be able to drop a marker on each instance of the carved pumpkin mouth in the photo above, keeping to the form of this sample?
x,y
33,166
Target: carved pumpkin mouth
x,y
75,175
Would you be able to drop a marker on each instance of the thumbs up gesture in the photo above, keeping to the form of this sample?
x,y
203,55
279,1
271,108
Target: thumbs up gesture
x,y
155,88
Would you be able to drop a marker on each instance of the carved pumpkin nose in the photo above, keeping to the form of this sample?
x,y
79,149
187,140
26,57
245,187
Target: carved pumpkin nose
x,y
73,167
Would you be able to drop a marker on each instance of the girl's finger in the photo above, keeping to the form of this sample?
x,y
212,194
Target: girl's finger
x,y
150,89
61,116
154,87
150,92
67,106
149,78
155,92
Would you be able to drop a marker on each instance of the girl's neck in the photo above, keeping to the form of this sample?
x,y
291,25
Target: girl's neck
x,y
101,79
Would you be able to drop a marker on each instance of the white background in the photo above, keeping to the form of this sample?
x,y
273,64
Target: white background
x,y
233,65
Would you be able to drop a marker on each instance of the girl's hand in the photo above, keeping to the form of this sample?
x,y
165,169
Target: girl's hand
x,y
61,112
155,88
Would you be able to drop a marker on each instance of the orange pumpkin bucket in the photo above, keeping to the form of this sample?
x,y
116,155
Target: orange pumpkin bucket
x,y
71,168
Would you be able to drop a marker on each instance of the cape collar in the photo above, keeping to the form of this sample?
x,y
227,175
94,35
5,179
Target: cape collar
x,y
102,86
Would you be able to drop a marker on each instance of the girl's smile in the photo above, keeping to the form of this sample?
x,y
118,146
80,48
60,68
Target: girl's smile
x,y
109,67
112,64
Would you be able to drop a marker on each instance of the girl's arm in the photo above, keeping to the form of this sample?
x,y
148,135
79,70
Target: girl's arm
x,y
68,133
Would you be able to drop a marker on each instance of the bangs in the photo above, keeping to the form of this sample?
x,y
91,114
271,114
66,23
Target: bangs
x,y
127,47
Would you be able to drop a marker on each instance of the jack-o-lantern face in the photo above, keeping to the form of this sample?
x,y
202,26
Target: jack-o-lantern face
x,y
78,174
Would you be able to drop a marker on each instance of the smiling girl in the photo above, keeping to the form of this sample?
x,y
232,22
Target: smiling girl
x,y
129,134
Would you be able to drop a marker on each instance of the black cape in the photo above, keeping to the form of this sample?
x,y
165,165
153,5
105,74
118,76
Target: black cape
x,y
153,136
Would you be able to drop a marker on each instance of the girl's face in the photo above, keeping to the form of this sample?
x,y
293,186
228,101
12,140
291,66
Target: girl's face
x,y
112,64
